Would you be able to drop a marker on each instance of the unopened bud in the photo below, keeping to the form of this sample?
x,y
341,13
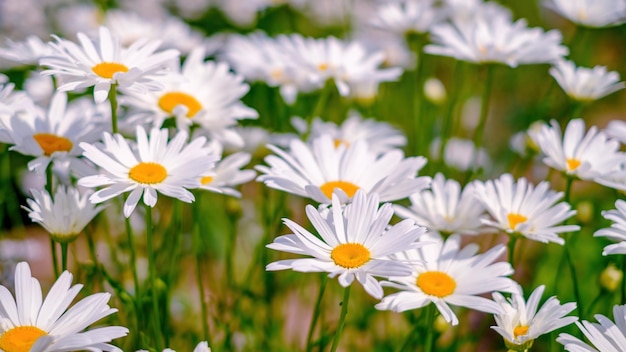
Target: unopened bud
x,y
440,324
611,278
434,91
584,211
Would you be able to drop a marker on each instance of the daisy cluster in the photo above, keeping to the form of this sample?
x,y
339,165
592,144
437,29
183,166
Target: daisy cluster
x,y
378,133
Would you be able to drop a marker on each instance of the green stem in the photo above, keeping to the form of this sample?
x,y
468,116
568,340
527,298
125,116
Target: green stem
x,y
198,246
480,128
623,280
449,120
595,301
113,102
414,331
322,102
420,126
572,271
568,189
64,256
512,241
430,330
342,318
133,256
316,312
55,258
153,280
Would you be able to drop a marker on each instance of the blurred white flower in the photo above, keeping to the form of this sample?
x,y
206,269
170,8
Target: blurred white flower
x,y
24,53
585,84
604,337
616,129
617,231
459,153
227,172
590,13
407,16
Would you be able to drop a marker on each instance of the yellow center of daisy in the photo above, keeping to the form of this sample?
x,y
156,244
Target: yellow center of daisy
x,y
348,188
515,219
520,330
51,143
148,173
108,69
171,100
436,283
206,180
572,164
339,142
323,66
350,255
20,338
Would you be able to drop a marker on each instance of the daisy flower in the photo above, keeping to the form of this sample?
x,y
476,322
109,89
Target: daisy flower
x,y
496,39
53,136
206,94
354,242
227,173
604,337
591,13
201,347
407,16
30,323
106,63
585,84
576,153
322,168
617,231
26,52
520,208
444,208
65,216
154,165
445,274
520,323
617,129
459,153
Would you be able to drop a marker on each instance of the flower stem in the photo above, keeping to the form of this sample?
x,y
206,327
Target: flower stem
x,y
63,256
512,242
113,102
342,318
153,280
53,247
316,312
133,257
198,249
430,331
322,102
480,128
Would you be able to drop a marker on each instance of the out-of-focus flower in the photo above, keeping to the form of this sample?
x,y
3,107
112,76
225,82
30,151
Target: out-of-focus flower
x,y
611,278
355,243
459,154
407,16
496,39
519,208
520,323
227,172
26,52
201,347
435,91
322,168
585,84
585,156
444,208
590,13
203,93
65,216
30,323
617,231
444,274
106,63
616,129
604,337
156,165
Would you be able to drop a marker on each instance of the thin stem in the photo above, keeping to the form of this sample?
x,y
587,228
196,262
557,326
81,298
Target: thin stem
x,y
153,280
231,244
113,102
623,281
568,189
484,112
430,330
342,318
322,102
421,129
572,271
197,244
133,257
64,256
55,258
449,120
512,241
316,312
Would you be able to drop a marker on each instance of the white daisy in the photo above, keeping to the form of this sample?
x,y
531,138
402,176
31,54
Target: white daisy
x,y
617,129
201,347
322,168
105,63
496,39
580,155
11,102
444,208
53,136
604,337
459,154
519,208
203,93
520,323
65,216
156,165
407,16
445,274
354,242
26,52
591,13
30,323
617,231
227,172
585,84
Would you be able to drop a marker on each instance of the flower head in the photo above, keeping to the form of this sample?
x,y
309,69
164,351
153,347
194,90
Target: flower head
x,y
605,336
30,323
520,323
617,231
354,242
520,208
156,165
585,84
591,13
227,172
445,274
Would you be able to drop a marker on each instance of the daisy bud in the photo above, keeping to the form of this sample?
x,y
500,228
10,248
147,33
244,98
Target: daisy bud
x,y
610,278
435,91
584,211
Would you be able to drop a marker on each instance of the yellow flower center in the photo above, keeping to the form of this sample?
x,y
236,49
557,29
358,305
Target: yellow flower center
x,y
520,330
148,173
51,143
20,338
323,66
108,69
339,142
436,283
572,164
348,188
350,255
206,180
171,100
515,219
